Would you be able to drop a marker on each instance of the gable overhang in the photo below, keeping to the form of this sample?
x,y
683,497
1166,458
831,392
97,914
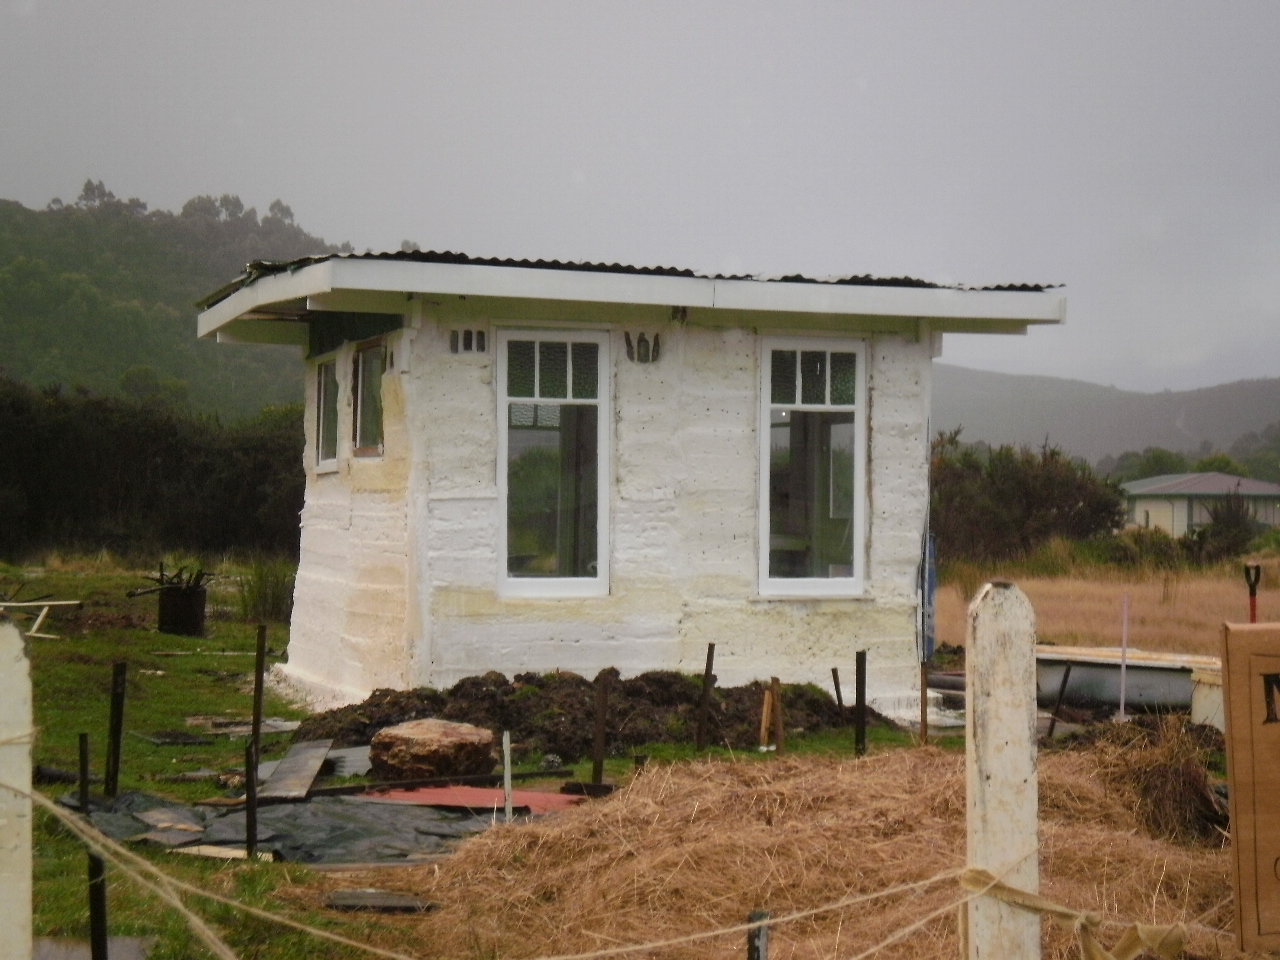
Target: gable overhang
x,y
274,308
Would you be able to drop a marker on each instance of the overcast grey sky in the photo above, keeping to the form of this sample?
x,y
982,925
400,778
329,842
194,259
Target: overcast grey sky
x,y
1128,150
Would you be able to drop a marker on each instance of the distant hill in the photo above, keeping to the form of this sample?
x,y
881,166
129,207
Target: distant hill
x,y
1092,421
101,294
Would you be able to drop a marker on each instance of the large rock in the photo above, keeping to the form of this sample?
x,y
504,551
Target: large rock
x,y
430,748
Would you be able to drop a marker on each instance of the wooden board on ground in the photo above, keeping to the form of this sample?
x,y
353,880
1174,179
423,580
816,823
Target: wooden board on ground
x,y
292,778
377,901
1251,694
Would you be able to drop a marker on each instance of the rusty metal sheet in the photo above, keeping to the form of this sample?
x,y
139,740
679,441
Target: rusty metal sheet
x,y
475,798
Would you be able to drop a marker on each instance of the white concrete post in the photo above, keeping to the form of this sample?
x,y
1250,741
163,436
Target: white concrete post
x,y
15,810
1000,769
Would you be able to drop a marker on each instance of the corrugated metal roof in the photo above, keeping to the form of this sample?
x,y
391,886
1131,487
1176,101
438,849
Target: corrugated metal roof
x,y
1200,485
265,268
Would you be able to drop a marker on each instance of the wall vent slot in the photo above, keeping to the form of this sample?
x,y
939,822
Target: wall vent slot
x,y
467,341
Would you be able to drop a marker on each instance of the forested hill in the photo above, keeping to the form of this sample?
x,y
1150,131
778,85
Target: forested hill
x,y
101,294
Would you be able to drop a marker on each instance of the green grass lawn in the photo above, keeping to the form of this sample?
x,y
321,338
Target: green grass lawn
x,y
71,678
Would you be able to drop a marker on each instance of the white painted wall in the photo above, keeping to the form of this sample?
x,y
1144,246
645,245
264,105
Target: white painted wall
x,y
400,559
15,809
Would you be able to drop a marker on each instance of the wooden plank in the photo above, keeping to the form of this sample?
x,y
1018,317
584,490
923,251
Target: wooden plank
x,y
293,777
1251,696
377,901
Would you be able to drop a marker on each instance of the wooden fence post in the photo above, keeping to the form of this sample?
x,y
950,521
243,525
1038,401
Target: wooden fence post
x,y
1000,769
704,704
15,810
860,703
779,729
115,728
599,741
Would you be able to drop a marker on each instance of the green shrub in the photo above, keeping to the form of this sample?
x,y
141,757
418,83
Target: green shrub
x,y
1005,503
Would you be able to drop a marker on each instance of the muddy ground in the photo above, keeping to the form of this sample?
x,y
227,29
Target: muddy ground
x,y
554,713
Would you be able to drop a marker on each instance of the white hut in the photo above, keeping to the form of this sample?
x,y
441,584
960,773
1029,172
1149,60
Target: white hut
x,y
546,466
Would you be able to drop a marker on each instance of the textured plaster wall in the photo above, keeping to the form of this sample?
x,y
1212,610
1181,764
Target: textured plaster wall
x,y
352,628
398,579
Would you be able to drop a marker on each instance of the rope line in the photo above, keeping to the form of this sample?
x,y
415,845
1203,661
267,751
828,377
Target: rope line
x,y
1165,941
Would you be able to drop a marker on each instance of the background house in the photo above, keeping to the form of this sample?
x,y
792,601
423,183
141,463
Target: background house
x,y
541,466
1178,502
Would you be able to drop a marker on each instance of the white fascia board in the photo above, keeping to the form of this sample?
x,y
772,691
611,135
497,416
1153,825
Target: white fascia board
x,y
1029,306
533,283
276,288
521,282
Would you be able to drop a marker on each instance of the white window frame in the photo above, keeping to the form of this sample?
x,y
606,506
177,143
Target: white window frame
x,y
356,385
804,587
559,587
330,465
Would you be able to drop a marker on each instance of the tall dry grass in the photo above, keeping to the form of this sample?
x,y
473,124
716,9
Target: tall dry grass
x,y
1176,612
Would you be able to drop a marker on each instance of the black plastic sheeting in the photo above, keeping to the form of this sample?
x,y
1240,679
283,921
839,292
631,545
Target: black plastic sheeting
x,y
323,830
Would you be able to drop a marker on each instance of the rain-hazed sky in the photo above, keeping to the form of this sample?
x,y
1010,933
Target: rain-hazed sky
x,y
1128,150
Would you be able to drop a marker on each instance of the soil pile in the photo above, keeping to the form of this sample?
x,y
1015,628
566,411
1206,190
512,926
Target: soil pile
x,y
691,847
554,713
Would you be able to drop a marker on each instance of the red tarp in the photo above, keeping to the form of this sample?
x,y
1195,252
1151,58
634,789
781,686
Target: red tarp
x,y
476,798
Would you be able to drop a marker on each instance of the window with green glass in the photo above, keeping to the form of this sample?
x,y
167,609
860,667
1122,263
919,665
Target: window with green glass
x,y
810,463
326,411
553,433
366,414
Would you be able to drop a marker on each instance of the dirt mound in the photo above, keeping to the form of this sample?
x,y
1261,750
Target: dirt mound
x,y
696,846
555,712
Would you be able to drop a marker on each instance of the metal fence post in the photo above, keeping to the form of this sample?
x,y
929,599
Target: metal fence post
x,y
758,937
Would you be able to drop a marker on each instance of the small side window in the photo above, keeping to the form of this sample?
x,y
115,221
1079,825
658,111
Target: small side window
x,y
326,413
370,364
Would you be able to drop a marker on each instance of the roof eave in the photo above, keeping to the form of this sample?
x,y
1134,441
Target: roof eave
x,y
948,310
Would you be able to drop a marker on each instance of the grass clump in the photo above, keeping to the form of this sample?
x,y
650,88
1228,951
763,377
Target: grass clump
x,y
265,591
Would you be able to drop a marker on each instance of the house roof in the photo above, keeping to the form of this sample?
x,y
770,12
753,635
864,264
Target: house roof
x,y
1200,485
262,268
276,293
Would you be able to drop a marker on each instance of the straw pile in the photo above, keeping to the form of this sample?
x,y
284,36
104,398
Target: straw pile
x,y
697,846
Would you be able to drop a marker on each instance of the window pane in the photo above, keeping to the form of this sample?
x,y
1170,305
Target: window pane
x,y
327,407
586,371
811,494
552,469
369,400
813,376
782,377
844,382
553,368
520,368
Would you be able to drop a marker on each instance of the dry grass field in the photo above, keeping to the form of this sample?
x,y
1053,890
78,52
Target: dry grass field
x,y
1176,612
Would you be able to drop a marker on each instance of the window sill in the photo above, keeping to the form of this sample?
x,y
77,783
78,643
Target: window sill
x,y
367,453
326,466
813,590
552,588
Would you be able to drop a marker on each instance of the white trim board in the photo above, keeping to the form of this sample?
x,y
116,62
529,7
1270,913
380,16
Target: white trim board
x,y
1000,307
